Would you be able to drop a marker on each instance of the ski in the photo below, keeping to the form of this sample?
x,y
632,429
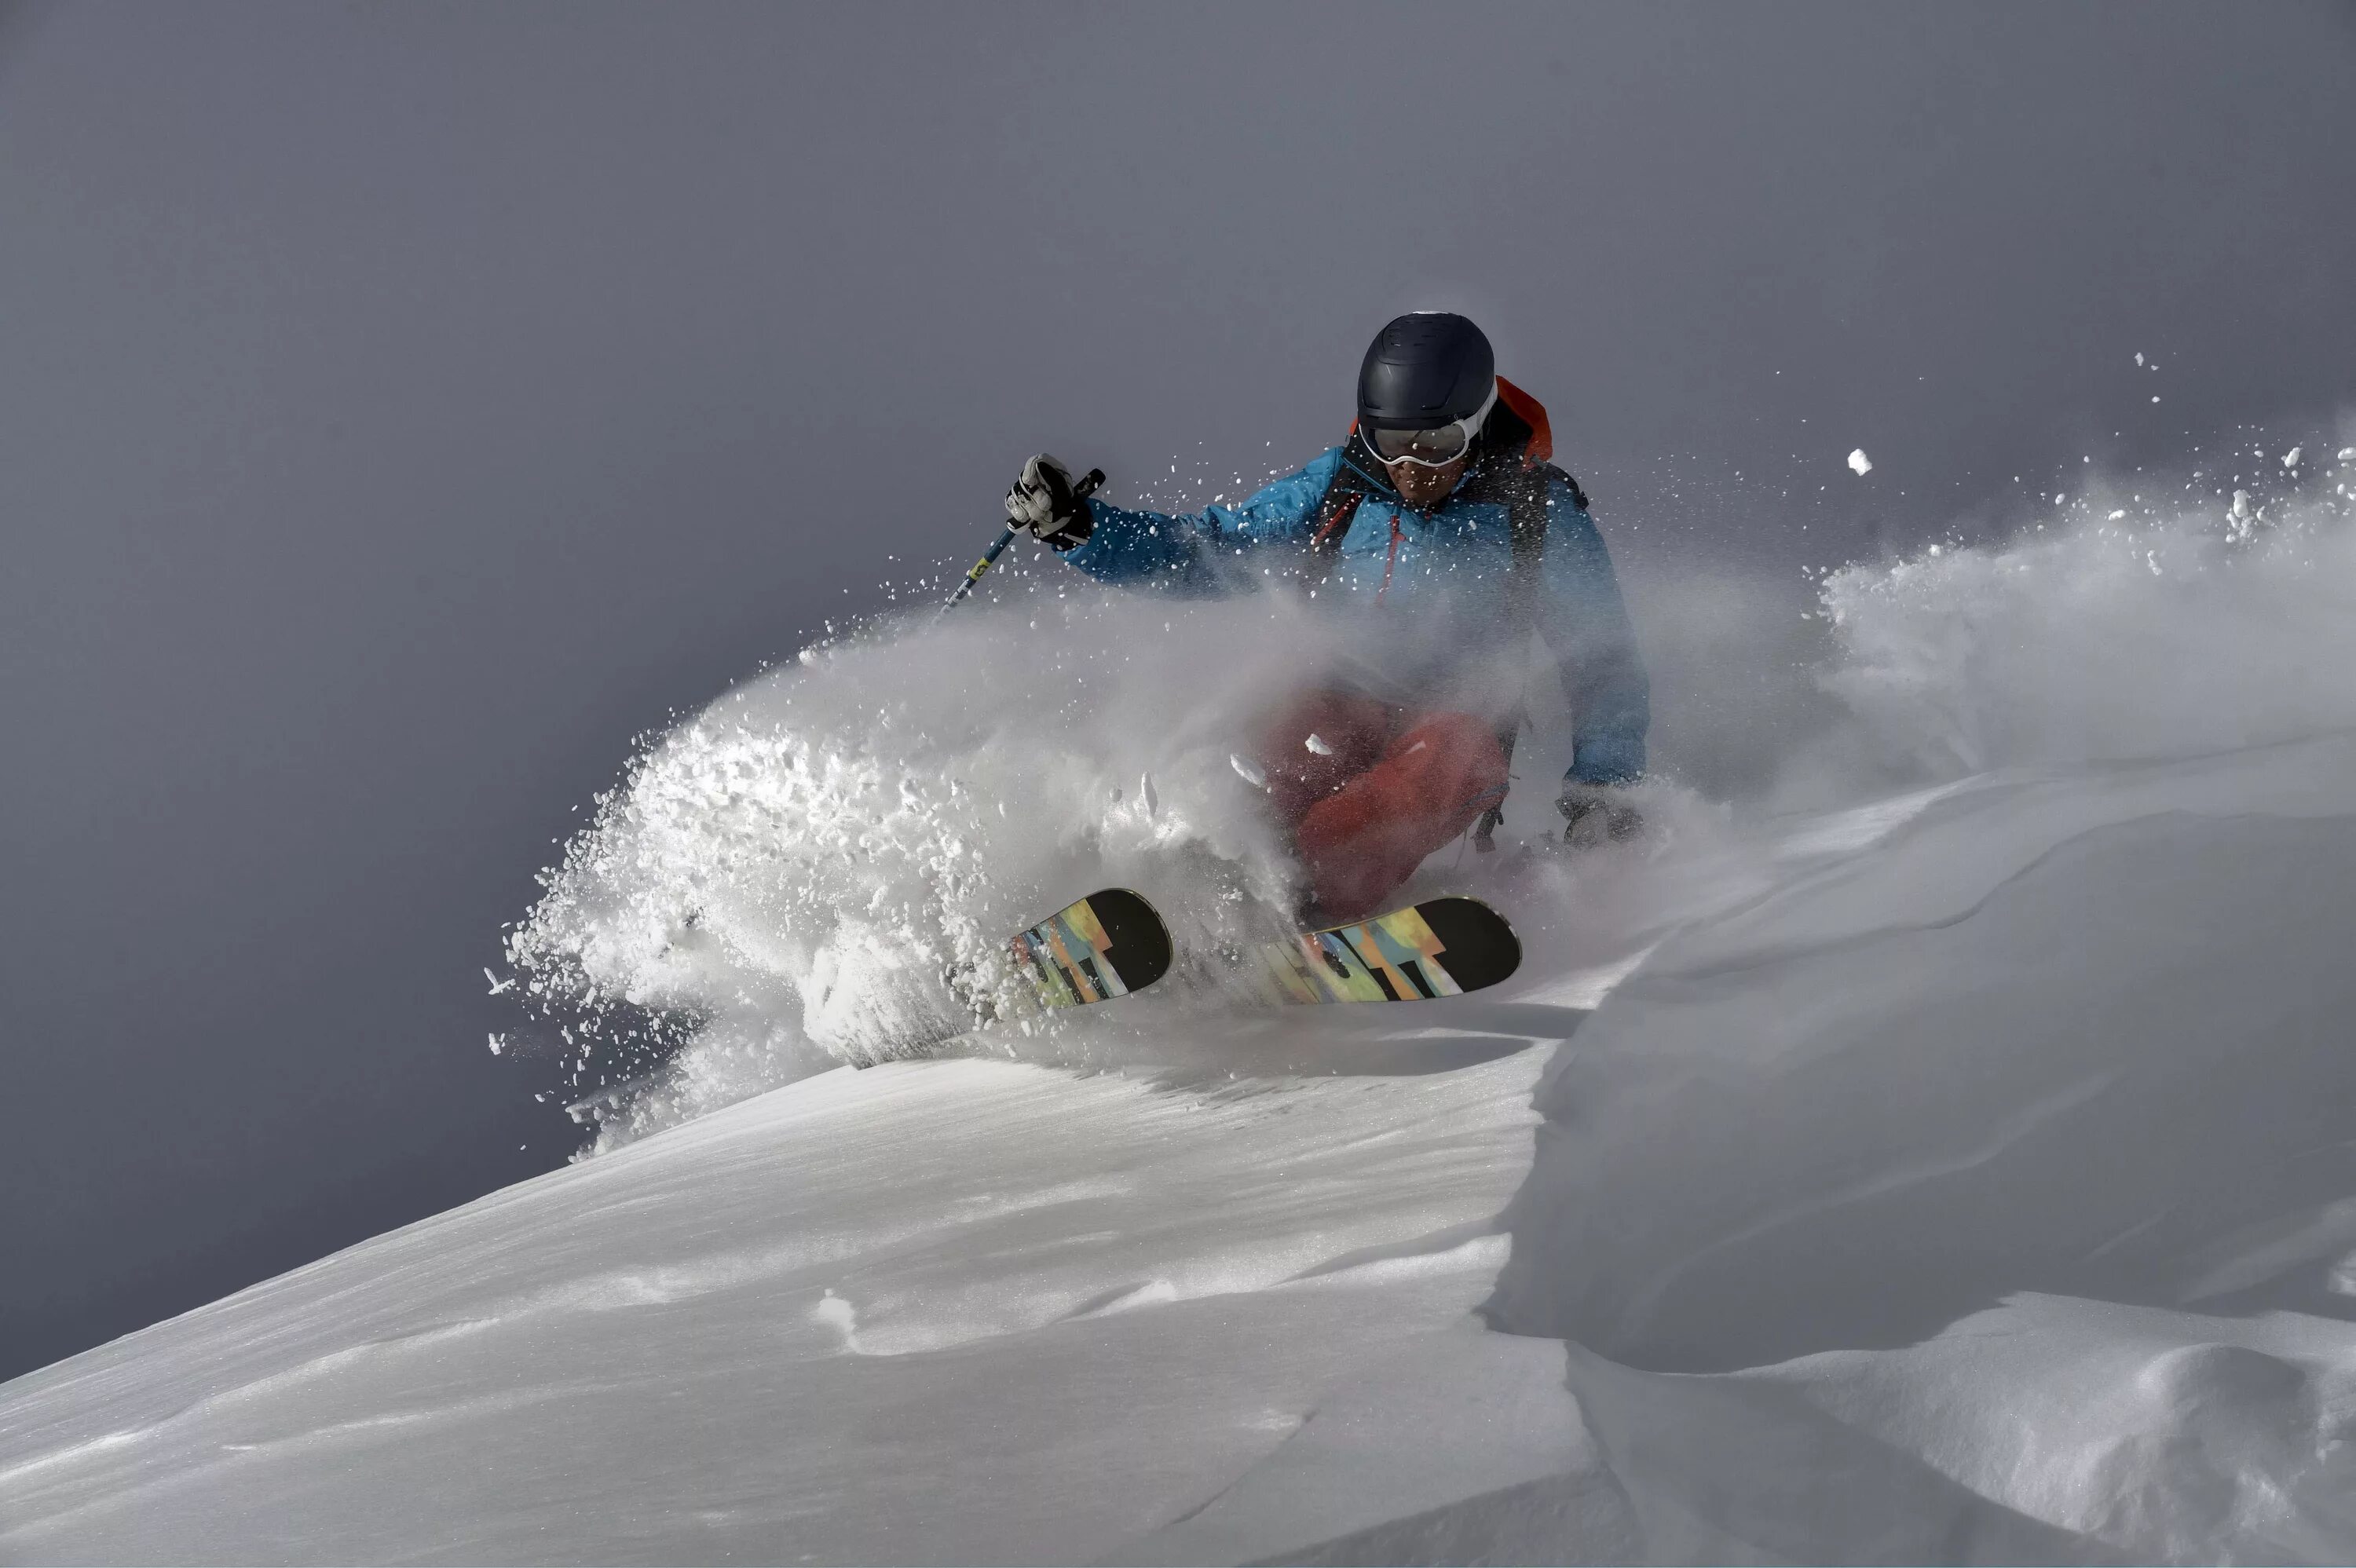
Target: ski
x,y
1441,947
1108,945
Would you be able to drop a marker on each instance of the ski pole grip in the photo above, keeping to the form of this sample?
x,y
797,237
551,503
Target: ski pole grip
x,y
1081,490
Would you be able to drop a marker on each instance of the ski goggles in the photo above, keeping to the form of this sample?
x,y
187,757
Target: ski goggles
x,y
1434,448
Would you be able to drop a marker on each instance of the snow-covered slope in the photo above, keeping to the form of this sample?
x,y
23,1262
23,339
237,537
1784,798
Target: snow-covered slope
x,y
1962,1174
932,1312
2014,1157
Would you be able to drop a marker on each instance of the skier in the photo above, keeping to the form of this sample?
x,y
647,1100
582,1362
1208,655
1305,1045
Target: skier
x,y
1441,506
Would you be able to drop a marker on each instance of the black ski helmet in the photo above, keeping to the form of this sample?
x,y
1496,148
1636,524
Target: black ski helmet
x,y
1425,370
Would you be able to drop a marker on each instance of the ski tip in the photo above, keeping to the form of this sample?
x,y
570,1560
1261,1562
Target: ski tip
x,y
1480,947
1139,943
1440,947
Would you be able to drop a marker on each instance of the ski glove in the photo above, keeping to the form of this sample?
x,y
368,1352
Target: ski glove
x,y
1594,813
1047,506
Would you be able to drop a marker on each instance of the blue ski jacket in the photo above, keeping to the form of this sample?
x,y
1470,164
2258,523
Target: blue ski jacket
x,y
1444,570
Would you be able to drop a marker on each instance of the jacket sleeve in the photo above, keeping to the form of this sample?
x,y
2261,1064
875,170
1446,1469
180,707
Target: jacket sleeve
x,y
1197,553
1585,625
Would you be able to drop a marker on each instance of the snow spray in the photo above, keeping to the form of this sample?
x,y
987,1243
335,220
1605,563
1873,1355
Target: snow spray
x,y
812,870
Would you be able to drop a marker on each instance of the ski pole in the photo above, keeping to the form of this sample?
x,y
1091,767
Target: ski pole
x,y
1080,492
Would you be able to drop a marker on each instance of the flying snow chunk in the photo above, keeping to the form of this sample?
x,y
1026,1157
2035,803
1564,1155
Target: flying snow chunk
x,y
2290,458
2348,453
1320,744
1859,463
1247,772
2138,358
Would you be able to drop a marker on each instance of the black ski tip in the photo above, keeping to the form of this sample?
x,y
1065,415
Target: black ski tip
x,y
1478,946
1141,950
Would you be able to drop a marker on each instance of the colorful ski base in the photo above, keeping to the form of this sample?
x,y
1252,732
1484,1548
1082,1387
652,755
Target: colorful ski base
x,y
1442,947
1108,945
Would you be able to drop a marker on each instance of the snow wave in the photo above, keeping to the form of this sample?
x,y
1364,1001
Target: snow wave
x,y
2128,634
825,865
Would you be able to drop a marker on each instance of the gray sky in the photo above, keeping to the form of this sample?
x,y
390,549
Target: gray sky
x,y
401,407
